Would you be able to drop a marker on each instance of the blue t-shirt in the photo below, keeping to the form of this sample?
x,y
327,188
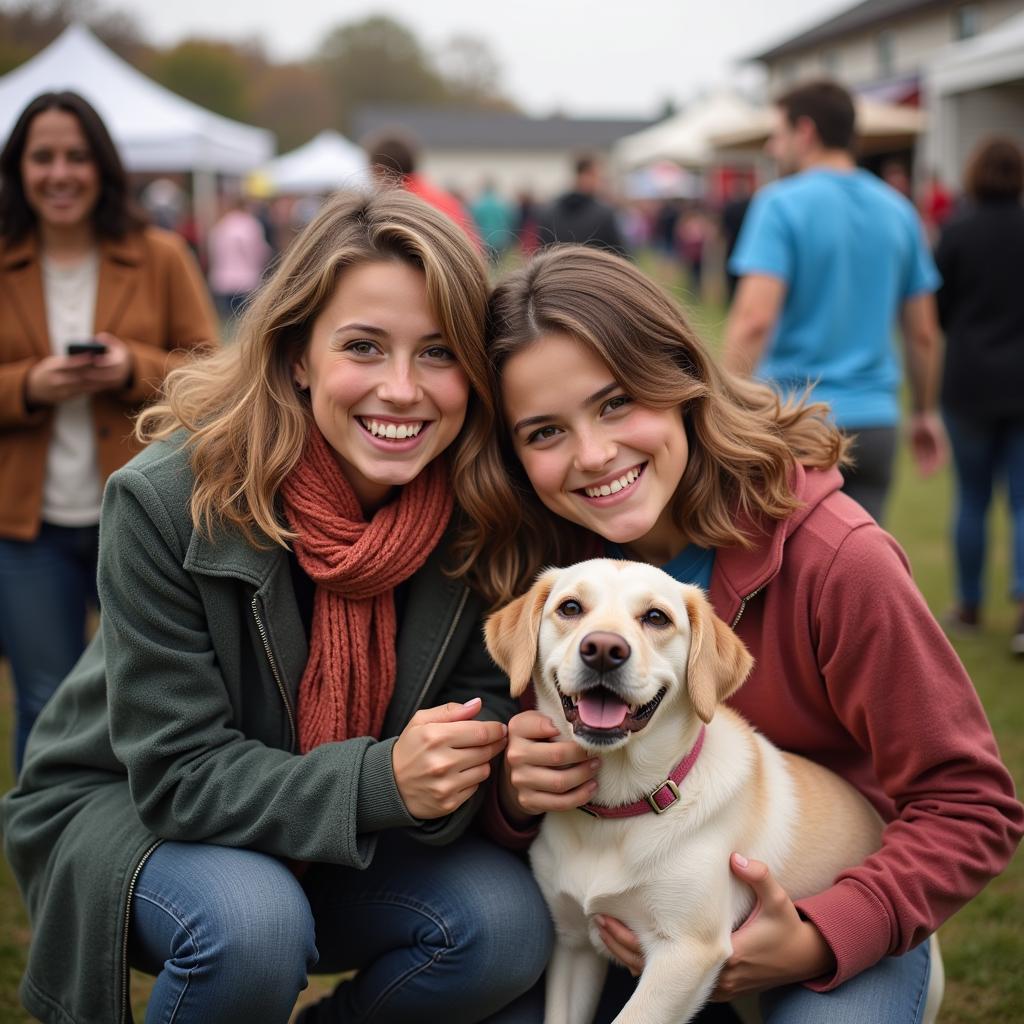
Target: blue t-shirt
x,y
691,565
851,251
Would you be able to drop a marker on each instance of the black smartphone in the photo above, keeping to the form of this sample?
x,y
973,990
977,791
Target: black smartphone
x,y
86,348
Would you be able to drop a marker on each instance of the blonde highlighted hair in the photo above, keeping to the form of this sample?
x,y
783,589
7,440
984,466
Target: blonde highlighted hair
x,y
744,440
244,419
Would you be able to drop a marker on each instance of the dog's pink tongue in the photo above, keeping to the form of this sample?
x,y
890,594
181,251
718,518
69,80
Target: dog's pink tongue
x,y
601,710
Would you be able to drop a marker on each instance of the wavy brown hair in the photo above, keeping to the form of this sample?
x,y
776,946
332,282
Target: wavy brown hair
x,y
244,419
744,439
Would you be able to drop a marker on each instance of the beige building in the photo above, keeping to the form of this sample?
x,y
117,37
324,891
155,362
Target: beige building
x,y
897,51
880,48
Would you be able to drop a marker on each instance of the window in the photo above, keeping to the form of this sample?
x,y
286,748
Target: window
x,y
830,63
885,46
966,21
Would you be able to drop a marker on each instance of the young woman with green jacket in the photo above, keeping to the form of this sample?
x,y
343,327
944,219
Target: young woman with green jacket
x,y
267,759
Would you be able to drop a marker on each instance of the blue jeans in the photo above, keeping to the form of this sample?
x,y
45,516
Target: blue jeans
x,y
892,992
448,934
46,587
983,453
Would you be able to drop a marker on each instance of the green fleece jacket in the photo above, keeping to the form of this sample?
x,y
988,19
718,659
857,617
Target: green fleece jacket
x,y
178,723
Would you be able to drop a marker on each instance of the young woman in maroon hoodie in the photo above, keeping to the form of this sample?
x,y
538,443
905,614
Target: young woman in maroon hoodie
x,y
619,431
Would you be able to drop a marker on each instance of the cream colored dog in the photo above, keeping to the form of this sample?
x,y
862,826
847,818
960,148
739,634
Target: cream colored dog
x,y
634,667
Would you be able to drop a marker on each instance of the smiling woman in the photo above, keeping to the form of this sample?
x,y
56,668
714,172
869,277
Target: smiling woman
x,y
58,172
386,392
597,457
95,308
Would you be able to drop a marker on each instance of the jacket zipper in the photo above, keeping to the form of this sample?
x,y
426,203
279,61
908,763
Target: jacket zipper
x,y
444,647
273,669
743,604
125,970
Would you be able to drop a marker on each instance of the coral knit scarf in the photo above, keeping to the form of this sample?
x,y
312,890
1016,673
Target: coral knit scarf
x,y
356,565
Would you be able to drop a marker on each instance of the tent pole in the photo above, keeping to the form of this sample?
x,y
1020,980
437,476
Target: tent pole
x,y
204,204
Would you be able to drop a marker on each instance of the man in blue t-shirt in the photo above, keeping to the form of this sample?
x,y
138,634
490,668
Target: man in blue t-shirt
x,y
829,259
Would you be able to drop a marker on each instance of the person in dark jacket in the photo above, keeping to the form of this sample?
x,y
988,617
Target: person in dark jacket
x,y
268,758
579,215
981,308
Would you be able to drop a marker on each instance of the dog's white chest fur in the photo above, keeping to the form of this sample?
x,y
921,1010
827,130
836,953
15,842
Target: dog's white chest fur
x,y
655,871
667,875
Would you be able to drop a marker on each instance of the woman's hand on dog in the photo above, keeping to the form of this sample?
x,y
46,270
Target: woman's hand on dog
x,y
442,756
621,942
542,772
773,947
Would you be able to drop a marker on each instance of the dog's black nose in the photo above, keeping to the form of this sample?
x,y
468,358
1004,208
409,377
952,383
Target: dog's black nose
x,y
604,651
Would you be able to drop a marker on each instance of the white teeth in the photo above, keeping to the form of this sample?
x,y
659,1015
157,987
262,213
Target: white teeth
x,y
615,486
392,431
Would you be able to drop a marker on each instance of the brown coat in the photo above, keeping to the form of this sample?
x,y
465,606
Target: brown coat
x,y
151,296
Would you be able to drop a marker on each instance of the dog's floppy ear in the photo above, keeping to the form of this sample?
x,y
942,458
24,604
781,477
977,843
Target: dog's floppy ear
x,y
511,633
719,662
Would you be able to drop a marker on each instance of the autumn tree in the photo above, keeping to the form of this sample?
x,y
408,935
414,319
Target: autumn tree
x,y
471,73
27,26
376,60
210,73
294,101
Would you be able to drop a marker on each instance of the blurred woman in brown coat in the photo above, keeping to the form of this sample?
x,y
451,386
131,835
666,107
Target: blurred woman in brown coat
x,y
95,308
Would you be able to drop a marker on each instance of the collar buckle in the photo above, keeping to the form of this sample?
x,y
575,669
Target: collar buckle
x,y
672,797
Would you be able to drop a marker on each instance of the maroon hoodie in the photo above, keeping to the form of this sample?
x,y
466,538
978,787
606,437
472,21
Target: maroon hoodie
x,y
852,671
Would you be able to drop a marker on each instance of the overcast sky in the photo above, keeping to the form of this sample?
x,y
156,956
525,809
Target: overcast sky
x,y
585,58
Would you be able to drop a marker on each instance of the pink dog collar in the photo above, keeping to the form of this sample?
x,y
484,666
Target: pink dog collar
x,y
660,799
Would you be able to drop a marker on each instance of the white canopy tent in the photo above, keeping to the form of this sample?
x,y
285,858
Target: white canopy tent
x,y
327,162
975,88
154,128
880,127
685,137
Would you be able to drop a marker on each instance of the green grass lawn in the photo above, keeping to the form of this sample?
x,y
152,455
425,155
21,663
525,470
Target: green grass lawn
x,y
983,945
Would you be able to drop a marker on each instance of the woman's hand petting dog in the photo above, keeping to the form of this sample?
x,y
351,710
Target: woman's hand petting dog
x,y
773,947
543,773
442,756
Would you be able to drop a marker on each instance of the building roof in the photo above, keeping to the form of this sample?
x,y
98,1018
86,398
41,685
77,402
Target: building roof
x,y
453,128
864,15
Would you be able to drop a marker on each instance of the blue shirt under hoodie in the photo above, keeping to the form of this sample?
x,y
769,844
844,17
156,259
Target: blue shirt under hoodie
x,y
692,565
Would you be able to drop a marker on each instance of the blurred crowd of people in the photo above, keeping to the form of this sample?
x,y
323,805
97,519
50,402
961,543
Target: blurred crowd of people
x,y
978,238
694,235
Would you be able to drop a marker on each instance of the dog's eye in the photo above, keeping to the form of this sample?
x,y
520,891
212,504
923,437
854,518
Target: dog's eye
x,y
655,617
570,609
